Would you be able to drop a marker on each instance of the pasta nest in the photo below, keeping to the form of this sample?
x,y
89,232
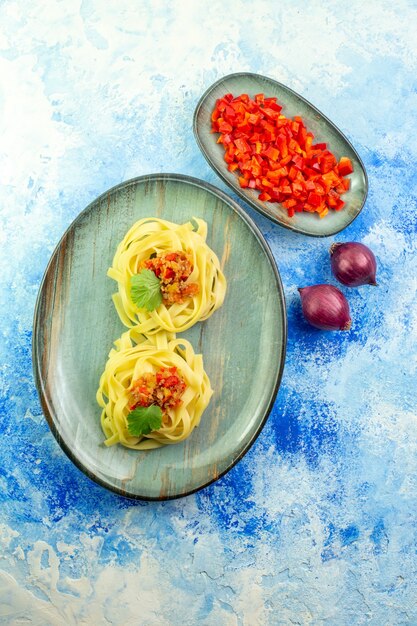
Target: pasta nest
x,y
134,355
151,236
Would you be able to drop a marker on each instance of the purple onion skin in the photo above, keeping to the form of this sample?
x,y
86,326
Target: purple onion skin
x,y
325,307
353,264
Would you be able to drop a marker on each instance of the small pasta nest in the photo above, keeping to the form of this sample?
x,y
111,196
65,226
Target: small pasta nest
x,y
152,236
135,355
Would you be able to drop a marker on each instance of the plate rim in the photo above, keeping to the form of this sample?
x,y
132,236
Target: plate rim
x,y
240,191
36,355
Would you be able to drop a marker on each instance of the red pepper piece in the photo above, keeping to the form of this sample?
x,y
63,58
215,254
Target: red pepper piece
x,y
253,119
282,145
314,198
332,199
298,162
242,145
272,153
309,207
169,273
225,127
297,188
345,166
264,196
292,174
327,163
302,135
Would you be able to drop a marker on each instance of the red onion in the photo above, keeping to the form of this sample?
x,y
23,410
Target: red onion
x,y
325,307
353,264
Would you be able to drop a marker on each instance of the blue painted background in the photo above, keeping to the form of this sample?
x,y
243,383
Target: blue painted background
x,y
317,524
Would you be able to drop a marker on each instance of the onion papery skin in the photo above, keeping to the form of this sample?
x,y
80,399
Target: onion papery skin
x,y
325,307
353,264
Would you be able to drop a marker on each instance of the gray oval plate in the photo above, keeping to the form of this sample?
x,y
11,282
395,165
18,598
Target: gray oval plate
x,y
243,343
324,131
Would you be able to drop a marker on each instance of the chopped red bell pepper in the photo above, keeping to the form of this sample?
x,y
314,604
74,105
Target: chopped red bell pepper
x,y
276,155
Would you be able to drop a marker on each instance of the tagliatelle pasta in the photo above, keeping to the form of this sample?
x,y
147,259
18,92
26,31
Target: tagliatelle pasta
x,y
204,286
136,357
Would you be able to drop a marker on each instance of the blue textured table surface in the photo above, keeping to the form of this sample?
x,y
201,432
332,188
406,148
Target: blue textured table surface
x,y
317,524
